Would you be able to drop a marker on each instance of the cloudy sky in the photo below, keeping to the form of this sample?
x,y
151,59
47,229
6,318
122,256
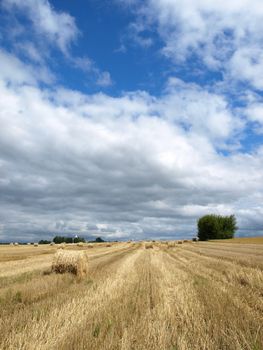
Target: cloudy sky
x,y
129,118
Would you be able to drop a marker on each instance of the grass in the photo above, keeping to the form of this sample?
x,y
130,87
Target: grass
x,y
206,295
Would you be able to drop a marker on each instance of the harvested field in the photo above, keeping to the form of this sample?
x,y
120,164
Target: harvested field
x,y
205,295
244,240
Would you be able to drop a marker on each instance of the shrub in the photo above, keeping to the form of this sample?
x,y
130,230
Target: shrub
x,y
75,262
216,227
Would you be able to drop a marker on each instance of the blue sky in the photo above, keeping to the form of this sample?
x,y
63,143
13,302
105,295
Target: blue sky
x,y
100,32
129,119
105,39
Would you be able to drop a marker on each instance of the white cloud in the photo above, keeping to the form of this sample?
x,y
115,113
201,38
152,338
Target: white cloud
x,y
104,79
57,27
136,33
255,112
15,71
226,35
49,29
29,50
84,63
246,64
136,164
205,113
125,165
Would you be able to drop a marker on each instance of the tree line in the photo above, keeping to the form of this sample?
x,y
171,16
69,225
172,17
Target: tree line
x,y
65,239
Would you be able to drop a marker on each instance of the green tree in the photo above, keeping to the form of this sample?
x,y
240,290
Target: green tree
x,y
216,227
62,239
44,241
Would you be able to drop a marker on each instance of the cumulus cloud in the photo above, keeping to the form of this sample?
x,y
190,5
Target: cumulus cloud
x,y
15,71
49,30
255,112
58,28
225,35
204,112
118,166
135,165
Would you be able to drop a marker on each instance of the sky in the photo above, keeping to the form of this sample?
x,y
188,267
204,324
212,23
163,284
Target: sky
x,y
129,119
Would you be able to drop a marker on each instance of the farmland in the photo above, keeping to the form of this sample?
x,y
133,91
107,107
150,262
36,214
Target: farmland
x,y
204,295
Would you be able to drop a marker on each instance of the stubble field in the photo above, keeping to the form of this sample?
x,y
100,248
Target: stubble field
x,y
188,296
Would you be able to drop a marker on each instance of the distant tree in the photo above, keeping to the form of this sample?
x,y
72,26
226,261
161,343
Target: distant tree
x,y
58,239
62,239
43,241
78,239
216,227
99,240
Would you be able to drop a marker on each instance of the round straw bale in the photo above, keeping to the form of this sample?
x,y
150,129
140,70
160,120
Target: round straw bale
x,y
148,246
35,244
72,261
179,242
62,246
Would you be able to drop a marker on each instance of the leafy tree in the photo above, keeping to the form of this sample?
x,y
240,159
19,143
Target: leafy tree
x,y
58,239
99,240
44,241
62,239
78,239
216,227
